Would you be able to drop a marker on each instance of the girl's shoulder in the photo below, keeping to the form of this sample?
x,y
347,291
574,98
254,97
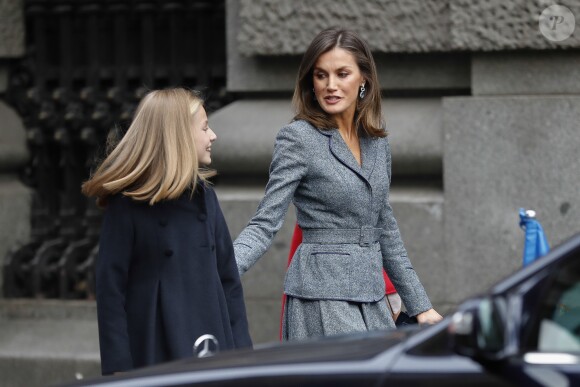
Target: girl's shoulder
x,y
123,203
203,192
209,192
119,205
203,195
119,200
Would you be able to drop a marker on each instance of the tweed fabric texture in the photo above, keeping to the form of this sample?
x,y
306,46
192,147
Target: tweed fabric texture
x,y
305,319
317,171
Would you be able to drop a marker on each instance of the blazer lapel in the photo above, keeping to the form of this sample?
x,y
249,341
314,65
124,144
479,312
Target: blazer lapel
x,y
341,151
368,150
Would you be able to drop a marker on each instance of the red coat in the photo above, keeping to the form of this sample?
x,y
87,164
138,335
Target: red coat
x,y
296,240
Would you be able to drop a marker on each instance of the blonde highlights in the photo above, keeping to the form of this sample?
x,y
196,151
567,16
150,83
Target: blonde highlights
x,y
156,159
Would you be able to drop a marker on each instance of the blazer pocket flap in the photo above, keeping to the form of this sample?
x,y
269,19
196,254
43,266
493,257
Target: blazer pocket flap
x,y
336,273
328,272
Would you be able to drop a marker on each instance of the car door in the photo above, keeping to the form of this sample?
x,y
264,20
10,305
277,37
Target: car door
x,y
549,329
427,360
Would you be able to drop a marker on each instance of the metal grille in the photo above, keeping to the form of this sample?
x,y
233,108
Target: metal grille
x,y
87,64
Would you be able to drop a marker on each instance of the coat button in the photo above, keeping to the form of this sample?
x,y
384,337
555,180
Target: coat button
x,y
163,223
168,253
202,217
212,247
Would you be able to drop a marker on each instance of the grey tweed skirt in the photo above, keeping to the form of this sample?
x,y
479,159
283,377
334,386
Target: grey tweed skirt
x,y
304,319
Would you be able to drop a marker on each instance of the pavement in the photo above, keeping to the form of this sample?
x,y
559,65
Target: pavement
x,y
47,342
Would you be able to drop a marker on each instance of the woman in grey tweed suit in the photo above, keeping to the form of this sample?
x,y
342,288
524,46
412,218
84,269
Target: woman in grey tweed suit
x,y
334,162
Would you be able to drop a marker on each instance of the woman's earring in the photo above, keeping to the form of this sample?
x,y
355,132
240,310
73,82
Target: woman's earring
x,y
362,91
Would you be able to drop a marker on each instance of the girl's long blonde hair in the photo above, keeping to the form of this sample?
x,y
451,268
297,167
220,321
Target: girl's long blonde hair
x,y
156,159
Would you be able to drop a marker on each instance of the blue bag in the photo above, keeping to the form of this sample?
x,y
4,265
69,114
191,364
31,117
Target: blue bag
x,y
535,244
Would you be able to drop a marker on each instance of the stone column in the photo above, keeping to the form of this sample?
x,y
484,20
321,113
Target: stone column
x,y
15,198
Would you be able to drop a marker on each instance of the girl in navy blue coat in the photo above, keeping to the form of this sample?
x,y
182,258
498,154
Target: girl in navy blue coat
x,y
166,273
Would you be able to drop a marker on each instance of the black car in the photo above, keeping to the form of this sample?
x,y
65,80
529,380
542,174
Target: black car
x,y
524,332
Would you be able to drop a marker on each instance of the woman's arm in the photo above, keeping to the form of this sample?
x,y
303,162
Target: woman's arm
x,y
289,165
395,259
112,267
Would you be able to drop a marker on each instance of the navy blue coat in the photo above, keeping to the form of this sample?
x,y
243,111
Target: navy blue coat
x,y
166,274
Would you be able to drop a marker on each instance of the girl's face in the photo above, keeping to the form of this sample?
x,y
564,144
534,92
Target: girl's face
x,y
204,136
337,79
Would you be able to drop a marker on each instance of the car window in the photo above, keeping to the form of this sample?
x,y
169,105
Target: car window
x,y
491,315
559,328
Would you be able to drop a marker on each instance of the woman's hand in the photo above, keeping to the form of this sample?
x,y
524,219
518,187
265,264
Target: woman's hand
x,y
429,317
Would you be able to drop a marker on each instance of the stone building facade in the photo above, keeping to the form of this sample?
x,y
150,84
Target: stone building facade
x,y
482,109
483,113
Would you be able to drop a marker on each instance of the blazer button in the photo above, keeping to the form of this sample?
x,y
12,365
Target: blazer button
x,y
163,223
212,247
202,217
168,253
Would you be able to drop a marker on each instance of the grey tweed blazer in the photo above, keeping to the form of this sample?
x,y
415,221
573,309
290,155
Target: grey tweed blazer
x,y
343,209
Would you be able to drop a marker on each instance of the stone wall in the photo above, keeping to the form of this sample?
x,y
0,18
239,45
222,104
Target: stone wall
x,y
274,27
11,29
503,153
264,50
505,25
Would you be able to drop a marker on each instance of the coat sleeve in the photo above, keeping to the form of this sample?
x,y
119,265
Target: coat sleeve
x,y
395,259
286,170
112,267
230,279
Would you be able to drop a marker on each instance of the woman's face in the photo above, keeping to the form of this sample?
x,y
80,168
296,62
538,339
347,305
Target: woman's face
x,y
204,136
337,79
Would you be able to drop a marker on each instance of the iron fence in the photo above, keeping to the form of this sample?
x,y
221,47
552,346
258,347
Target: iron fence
x,y
87,64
